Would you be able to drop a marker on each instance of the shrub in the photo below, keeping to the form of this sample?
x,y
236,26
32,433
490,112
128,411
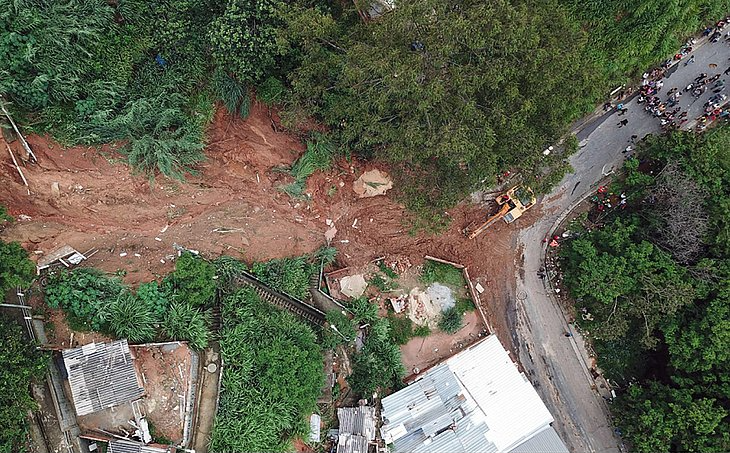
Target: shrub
x,y
4,216
317,156
289,275
344,325
15,267
193,280
232,92
272,380
363,311
464,305
390,273
227,269
86,295
451,320
155,298
271,91
421,331
378,365
131,318
383,284
185,322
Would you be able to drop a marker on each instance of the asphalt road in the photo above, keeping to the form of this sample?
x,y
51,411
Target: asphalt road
x,y
550,359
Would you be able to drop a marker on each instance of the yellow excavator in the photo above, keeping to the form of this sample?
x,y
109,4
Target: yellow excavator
x,y
513,204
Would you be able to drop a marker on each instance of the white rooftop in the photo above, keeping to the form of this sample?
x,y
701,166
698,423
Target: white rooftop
x,y
476,401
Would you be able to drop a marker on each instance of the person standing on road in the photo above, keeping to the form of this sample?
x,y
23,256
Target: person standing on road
x,y
622,123
690,61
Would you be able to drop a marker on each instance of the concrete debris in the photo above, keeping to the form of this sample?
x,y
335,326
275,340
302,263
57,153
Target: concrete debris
x,y
353,285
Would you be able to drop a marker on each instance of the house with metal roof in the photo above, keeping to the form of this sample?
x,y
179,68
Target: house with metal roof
x,y
357,429
101,375
475,402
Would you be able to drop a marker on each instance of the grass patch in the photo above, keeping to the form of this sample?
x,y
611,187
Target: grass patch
x,y
381,282
465,305
421,331
401,328
390,273
446,274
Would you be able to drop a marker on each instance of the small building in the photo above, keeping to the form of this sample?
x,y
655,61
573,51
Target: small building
x,y
357,429
475,402
101,375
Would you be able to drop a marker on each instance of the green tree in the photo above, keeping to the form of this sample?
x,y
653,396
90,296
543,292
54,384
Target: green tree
x,y
698,342
15,267
452,111
245,38
658,418
193,280
20,364
621,278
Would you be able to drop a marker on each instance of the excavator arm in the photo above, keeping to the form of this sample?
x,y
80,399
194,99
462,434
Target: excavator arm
x,y
502,212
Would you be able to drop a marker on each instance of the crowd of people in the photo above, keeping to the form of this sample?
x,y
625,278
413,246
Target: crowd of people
x,y
667,106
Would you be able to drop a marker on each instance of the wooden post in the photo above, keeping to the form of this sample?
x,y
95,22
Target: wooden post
x,y
17,131
22,176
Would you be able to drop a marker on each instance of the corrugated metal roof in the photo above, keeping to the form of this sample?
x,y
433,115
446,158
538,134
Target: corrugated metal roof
x,y
349,443
475,402
546,441
357,420
101,375
128,446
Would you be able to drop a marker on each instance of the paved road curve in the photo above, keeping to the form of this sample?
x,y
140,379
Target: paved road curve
x,y
548,357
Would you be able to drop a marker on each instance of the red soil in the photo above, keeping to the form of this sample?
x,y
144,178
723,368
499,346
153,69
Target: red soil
x,y
102,205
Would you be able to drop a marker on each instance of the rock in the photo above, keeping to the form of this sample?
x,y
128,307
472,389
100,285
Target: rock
x,y
55,189
372,183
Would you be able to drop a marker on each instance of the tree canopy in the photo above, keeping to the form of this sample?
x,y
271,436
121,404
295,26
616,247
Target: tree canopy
x,y
452,93
658,310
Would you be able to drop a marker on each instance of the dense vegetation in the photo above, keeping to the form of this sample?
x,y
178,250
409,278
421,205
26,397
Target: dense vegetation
x,y
20,364
176,309
15,267
652,288
272,376
377,366
450,113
